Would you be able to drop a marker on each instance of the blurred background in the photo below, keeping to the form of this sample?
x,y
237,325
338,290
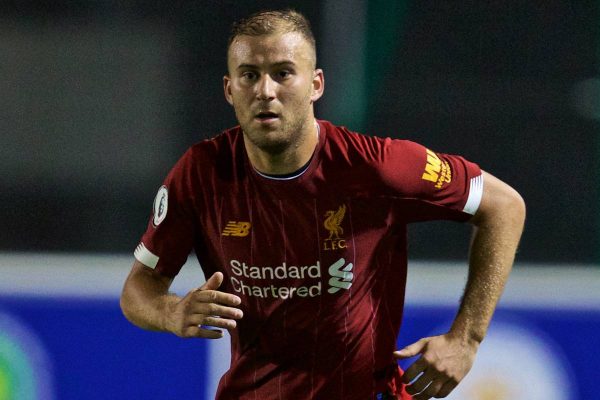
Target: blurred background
x,y
100,98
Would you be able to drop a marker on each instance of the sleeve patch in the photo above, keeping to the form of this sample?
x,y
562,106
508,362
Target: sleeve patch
x,y
436,170
161,203
475,193
145,256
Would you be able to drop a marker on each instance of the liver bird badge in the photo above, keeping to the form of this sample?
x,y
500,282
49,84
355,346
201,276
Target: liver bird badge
x,y
333,220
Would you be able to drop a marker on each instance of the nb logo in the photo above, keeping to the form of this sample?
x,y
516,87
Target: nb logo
x,y
341,276
235,228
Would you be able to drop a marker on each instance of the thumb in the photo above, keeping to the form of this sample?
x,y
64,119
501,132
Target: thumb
x,y
213,282
412,349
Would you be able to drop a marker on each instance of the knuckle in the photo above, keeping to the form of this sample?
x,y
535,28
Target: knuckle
x,y
199,295
202,298
212,308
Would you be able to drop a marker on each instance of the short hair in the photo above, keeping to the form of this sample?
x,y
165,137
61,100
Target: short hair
x,y
273,21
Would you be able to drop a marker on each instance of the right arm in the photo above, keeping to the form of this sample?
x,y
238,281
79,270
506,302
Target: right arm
x,y
147,303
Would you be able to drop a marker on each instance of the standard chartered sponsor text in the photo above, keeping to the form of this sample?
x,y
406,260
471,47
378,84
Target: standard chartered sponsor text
x,y
242,271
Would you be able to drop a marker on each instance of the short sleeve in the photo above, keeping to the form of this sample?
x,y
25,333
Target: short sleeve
x,y
169,237
433,185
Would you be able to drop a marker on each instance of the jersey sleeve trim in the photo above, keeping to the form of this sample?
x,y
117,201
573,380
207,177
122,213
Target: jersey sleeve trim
x,y
145,256
475,194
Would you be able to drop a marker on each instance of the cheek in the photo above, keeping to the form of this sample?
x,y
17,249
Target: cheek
x,y
298,95
240,101
240,93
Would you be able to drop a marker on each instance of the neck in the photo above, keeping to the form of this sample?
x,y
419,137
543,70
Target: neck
x,y
289,159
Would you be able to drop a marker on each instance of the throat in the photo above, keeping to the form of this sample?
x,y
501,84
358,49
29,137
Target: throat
x,y
290,175
293,160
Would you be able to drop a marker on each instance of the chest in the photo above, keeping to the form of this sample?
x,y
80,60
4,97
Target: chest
x,y
301,230
290,251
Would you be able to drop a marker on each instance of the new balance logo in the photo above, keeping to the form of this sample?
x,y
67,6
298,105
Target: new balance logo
x,y
235,228
341,276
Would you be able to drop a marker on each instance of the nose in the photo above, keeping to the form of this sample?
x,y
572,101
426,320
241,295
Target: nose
x,y
266,88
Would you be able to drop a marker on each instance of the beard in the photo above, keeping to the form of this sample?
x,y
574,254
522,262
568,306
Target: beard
x,y
288,134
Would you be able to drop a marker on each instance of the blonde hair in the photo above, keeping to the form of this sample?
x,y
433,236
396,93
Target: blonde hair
x,y
274,21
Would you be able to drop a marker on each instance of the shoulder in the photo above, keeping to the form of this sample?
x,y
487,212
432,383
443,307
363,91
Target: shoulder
x,y
224,143
221,157
209,155
375,148
341,135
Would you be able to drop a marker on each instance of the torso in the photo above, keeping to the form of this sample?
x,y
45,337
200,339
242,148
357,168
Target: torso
x,y
319,262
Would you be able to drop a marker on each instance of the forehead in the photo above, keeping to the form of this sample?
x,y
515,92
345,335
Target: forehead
x,y
269,49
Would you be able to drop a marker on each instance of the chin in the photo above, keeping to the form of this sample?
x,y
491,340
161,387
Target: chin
x,y
272,146
270,142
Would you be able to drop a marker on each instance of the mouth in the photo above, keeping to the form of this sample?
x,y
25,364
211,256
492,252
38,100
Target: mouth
x,y
266,116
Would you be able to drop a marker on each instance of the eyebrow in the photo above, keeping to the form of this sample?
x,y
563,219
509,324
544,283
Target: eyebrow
x,y
277,64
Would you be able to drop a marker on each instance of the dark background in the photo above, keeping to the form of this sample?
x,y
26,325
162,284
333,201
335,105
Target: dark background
x,y
99,99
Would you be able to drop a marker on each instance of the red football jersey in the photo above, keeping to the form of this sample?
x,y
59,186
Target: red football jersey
x,y
318,259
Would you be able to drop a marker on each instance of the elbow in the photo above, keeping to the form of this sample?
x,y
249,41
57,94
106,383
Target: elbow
x,y
125,305
509,210
500,205
515,208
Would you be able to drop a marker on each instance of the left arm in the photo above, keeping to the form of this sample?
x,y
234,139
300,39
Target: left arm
x,y
446,359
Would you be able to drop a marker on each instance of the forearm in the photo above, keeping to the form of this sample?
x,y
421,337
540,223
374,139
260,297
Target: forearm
x,y
146,302
495,240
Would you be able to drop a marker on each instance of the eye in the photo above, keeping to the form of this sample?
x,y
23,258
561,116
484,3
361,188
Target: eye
x,y
249,75
283,74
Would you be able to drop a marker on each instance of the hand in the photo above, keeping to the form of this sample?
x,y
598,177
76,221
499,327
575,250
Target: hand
x,y
444,362
205,306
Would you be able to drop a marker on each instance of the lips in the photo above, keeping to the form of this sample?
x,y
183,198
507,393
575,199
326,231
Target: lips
x,y
265,115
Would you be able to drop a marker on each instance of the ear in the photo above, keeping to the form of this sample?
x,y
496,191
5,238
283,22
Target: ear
x,y
318,85
227,89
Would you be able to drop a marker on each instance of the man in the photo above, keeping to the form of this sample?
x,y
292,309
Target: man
x,y
300,227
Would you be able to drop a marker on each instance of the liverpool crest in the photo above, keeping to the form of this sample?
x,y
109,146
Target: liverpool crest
x,y
333,221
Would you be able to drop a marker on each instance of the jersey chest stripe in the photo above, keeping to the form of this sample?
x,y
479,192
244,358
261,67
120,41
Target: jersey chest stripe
x,y
372,342
372,327
285,304
388,270
250,217
316,330
220,226
347,316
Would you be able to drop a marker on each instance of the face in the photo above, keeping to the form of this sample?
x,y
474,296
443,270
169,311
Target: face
x,y
272,85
